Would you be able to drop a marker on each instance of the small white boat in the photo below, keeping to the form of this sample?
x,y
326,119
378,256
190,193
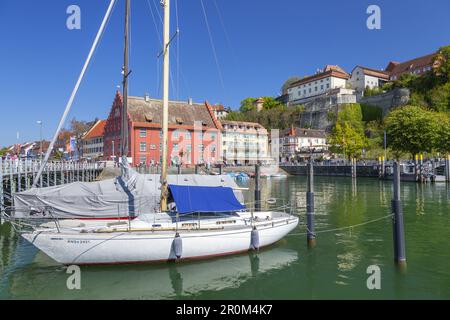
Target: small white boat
x,y
156,238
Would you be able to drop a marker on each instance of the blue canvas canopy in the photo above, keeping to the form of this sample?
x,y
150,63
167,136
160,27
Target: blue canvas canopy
x,y
189,199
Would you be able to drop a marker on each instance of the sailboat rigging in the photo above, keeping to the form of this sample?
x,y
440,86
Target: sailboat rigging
x,y
126,73
206,216
165,119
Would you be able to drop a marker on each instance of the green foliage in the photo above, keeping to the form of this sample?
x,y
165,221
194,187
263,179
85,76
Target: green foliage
x,y
431,90
3,151
412,130
270,103
387,86
371,113
442,70
248,104
348,133
443,142
274,115
372,91
439,97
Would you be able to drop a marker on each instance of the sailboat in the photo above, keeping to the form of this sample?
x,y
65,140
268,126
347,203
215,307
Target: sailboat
x,y
194,219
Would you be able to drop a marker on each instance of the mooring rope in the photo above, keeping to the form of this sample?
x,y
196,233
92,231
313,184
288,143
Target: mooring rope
x,y
341,228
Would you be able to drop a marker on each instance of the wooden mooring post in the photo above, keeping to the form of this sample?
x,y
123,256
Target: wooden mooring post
x,y
257,187
310,235
398,227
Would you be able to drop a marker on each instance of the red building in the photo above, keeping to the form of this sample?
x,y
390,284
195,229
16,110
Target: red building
x,y
419,66
194,132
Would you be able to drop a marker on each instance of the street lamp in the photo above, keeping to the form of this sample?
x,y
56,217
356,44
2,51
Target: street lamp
x,y
39,122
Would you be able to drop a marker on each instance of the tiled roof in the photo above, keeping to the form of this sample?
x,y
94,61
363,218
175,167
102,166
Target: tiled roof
x,y
375,73
333,71
397,68
96,131
303,132
150,110
218,107
242,123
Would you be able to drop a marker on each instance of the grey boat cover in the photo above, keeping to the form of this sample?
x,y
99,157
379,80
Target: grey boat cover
x,y
130,194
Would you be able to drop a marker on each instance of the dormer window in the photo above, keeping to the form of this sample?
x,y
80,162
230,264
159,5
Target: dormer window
x,y
179,120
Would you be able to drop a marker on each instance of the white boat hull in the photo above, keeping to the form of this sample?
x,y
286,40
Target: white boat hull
x,y
155,246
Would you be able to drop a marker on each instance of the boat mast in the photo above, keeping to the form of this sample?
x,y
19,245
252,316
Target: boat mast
x,y
124,126
165,122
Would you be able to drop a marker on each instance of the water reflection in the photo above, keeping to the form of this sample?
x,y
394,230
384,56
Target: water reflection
x,y
334,269
42,279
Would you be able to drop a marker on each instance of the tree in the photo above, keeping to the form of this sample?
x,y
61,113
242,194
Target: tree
x,y
443,142
412,129
78,129
348,133
347,140
274,115
270,103
442,60
3,151
248,104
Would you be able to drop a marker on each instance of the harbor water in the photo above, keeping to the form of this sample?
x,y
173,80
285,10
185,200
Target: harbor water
x,y
335,269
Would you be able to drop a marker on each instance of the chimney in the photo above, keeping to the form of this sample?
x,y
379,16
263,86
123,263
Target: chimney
x,y
190,101
146,97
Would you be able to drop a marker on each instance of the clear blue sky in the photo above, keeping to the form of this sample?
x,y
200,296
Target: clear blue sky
x,y
259,44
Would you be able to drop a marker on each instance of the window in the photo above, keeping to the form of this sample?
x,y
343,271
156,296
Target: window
x,y
152,147
304,91
328,85
321,87
315,88
142,133
176,134
143,158
142,147
175,147
309,90
213,136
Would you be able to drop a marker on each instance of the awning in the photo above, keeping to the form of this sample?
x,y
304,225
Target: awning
x,y
189,199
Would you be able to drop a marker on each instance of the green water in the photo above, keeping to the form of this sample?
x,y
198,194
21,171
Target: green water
x,y
335,269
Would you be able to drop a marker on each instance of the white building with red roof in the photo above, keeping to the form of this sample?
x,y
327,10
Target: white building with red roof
x,y
93,141
363,77
311,87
